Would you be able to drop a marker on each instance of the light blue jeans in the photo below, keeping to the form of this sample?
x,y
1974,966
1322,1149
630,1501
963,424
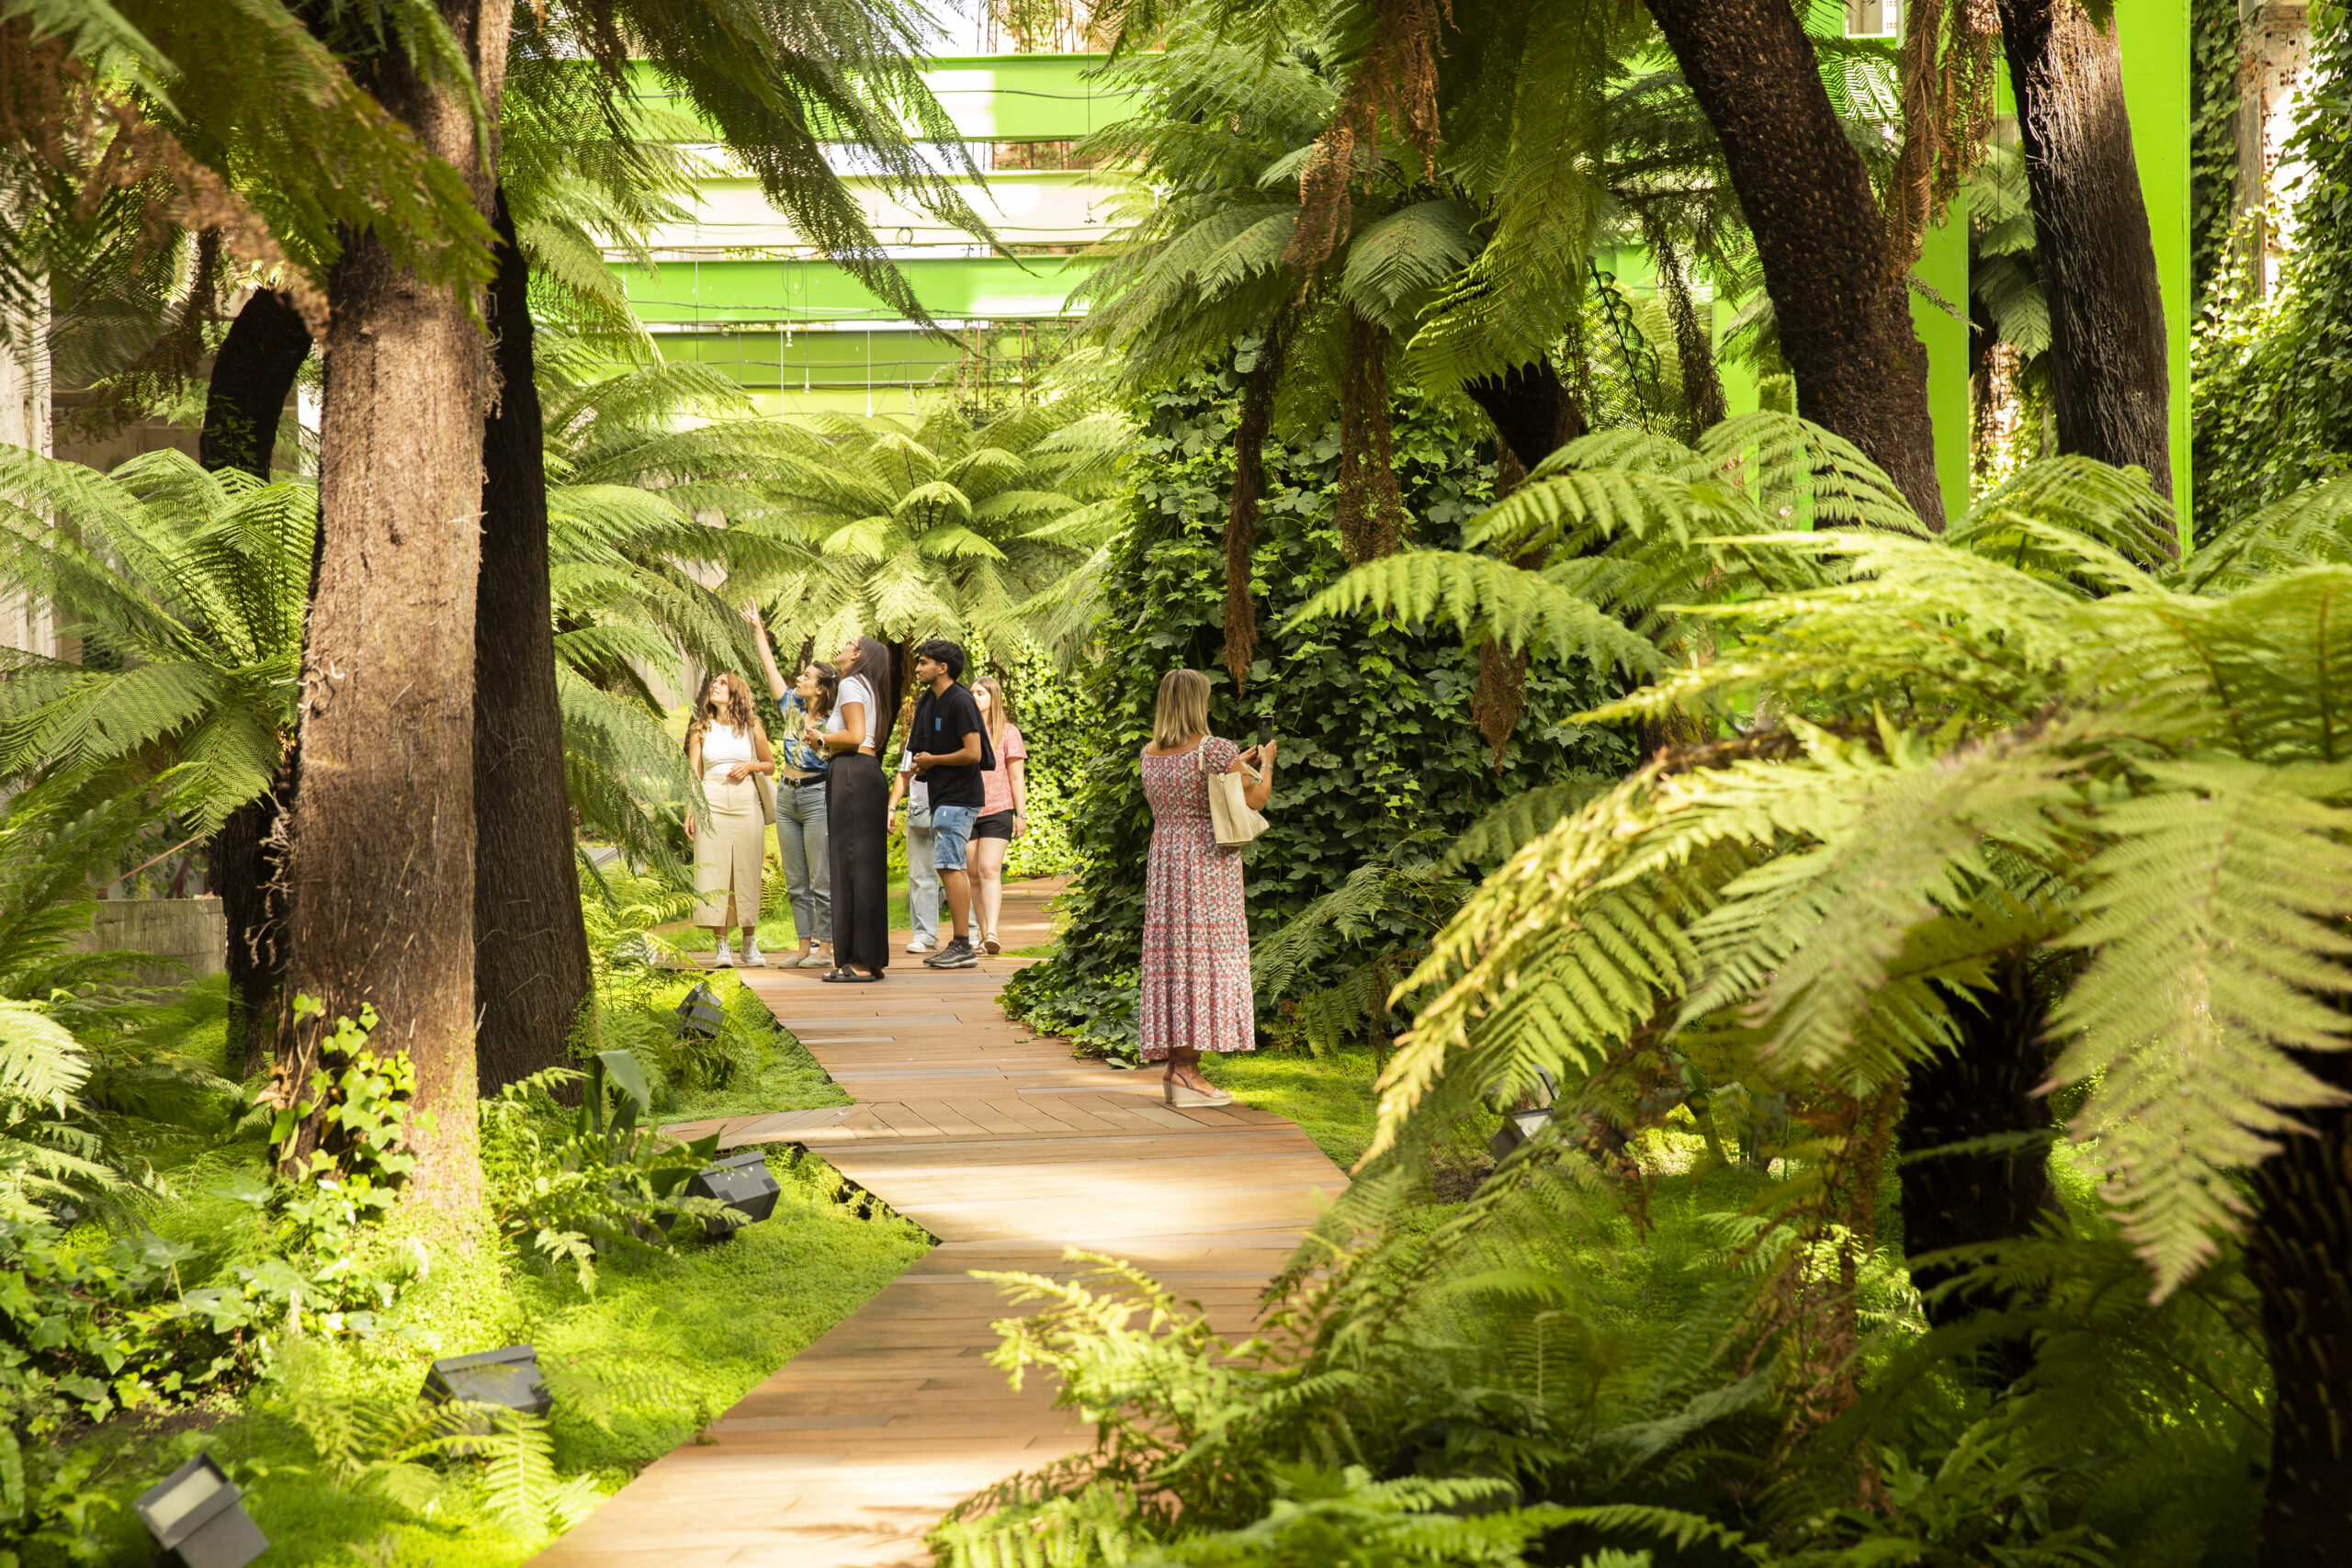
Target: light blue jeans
x,y
922,879
800,845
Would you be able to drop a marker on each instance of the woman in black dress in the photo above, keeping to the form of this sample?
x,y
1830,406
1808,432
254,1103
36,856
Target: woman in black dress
x,y
856,807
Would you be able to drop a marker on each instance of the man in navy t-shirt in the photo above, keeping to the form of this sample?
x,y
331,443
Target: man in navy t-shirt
x,y
950,745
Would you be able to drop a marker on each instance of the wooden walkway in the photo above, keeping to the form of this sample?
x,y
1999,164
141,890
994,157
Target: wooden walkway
x,y
1008,1150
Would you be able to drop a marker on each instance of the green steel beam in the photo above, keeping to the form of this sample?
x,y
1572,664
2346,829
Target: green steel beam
x,y
998,97
713,293
784,359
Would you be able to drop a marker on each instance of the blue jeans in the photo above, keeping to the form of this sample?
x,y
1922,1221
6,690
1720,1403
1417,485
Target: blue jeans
x,y
922,877
951,835
800,845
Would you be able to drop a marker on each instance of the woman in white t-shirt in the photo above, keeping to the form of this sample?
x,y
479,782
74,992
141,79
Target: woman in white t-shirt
x,y
727,748
853,736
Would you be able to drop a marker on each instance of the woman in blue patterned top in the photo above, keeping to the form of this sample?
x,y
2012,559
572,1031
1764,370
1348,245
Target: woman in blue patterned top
x,y
800,830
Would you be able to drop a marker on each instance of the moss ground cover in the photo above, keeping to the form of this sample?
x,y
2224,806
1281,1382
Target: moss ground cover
x,y
665,1342
1330,1095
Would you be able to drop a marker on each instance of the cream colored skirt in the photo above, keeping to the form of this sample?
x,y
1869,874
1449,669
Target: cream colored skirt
x,y
728,856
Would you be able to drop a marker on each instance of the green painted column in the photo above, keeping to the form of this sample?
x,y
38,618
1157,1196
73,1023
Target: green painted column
x,y
2153,40
1943,267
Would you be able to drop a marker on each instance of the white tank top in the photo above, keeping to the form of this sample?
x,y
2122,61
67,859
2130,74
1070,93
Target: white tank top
x,y
725,743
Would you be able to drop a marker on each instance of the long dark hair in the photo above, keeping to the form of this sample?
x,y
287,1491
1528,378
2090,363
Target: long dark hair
x,y
872,661
829,685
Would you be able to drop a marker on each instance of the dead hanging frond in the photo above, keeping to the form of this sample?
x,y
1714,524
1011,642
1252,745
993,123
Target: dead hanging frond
x,y
1947,68
71,139
1324,216
1369,509
1249,479
173,360
1704,404
1499,697
1396,81
1500,694
1812,1258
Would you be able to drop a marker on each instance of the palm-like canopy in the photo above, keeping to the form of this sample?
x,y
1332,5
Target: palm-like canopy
x,y
637,509
2034,734
187,590
1473,251
934,527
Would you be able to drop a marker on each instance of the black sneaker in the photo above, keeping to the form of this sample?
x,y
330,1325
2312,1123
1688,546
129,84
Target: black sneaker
x,y
956,954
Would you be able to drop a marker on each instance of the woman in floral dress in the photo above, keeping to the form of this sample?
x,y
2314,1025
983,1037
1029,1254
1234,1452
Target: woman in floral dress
x,y
1196,992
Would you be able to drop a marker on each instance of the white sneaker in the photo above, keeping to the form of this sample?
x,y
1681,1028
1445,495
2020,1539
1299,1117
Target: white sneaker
x,y
726,958
918,946
753,957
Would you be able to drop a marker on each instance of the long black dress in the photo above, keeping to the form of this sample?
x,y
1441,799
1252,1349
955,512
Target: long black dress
x,y
857,812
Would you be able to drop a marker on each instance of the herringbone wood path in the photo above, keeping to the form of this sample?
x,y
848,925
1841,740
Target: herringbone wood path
x,y
1009,1151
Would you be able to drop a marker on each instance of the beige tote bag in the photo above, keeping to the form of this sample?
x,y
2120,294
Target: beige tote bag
x,y
1237,824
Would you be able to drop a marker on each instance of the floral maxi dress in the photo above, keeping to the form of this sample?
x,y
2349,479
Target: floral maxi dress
x,y
1195,939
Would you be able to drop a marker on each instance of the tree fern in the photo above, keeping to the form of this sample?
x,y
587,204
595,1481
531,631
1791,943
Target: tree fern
x,y
2008,697
193,583
931,527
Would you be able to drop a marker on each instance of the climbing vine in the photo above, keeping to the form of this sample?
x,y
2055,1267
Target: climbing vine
x,y
2272,386
2216,41
1379,744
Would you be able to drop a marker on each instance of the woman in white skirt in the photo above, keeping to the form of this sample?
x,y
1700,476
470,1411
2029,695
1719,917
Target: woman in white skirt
x,y
727,748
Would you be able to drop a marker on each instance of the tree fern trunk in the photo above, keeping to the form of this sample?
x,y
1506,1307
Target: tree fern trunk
x,y
253,375
1982,1090
380,863
1241,516
2109,381
2299,1255
1533,410
1844,320
530,951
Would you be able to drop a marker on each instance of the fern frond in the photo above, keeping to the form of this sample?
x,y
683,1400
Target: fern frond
x,y
1486,600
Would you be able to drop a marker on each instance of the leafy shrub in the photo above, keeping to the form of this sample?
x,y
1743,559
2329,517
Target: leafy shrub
x,y
1379,735
451,1460
1048,704
2271,383
604,1179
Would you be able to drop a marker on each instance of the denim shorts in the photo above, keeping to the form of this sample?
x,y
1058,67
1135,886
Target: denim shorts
x,y
951,831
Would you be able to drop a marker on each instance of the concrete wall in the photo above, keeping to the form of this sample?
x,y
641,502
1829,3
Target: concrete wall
x,y
193,931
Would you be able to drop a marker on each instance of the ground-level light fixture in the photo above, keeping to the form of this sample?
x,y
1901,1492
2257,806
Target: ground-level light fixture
x,y
741,1182
508,1376
1523,1123
702,1013
197,1515
1517,1128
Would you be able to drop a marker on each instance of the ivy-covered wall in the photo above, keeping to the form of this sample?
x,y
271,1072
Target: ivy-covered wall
x,y
2272,389
1379,743
2214,41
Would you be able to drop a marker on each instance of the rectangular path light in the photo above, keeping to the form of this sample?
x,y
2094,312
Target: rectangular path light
x,y
702,1013
739,1181
509,1376
1517,1128
196,1516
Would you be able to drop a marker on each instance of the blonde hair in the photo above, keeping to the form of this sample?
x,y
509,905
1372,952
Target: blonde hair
x,y
997,714
1183,710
